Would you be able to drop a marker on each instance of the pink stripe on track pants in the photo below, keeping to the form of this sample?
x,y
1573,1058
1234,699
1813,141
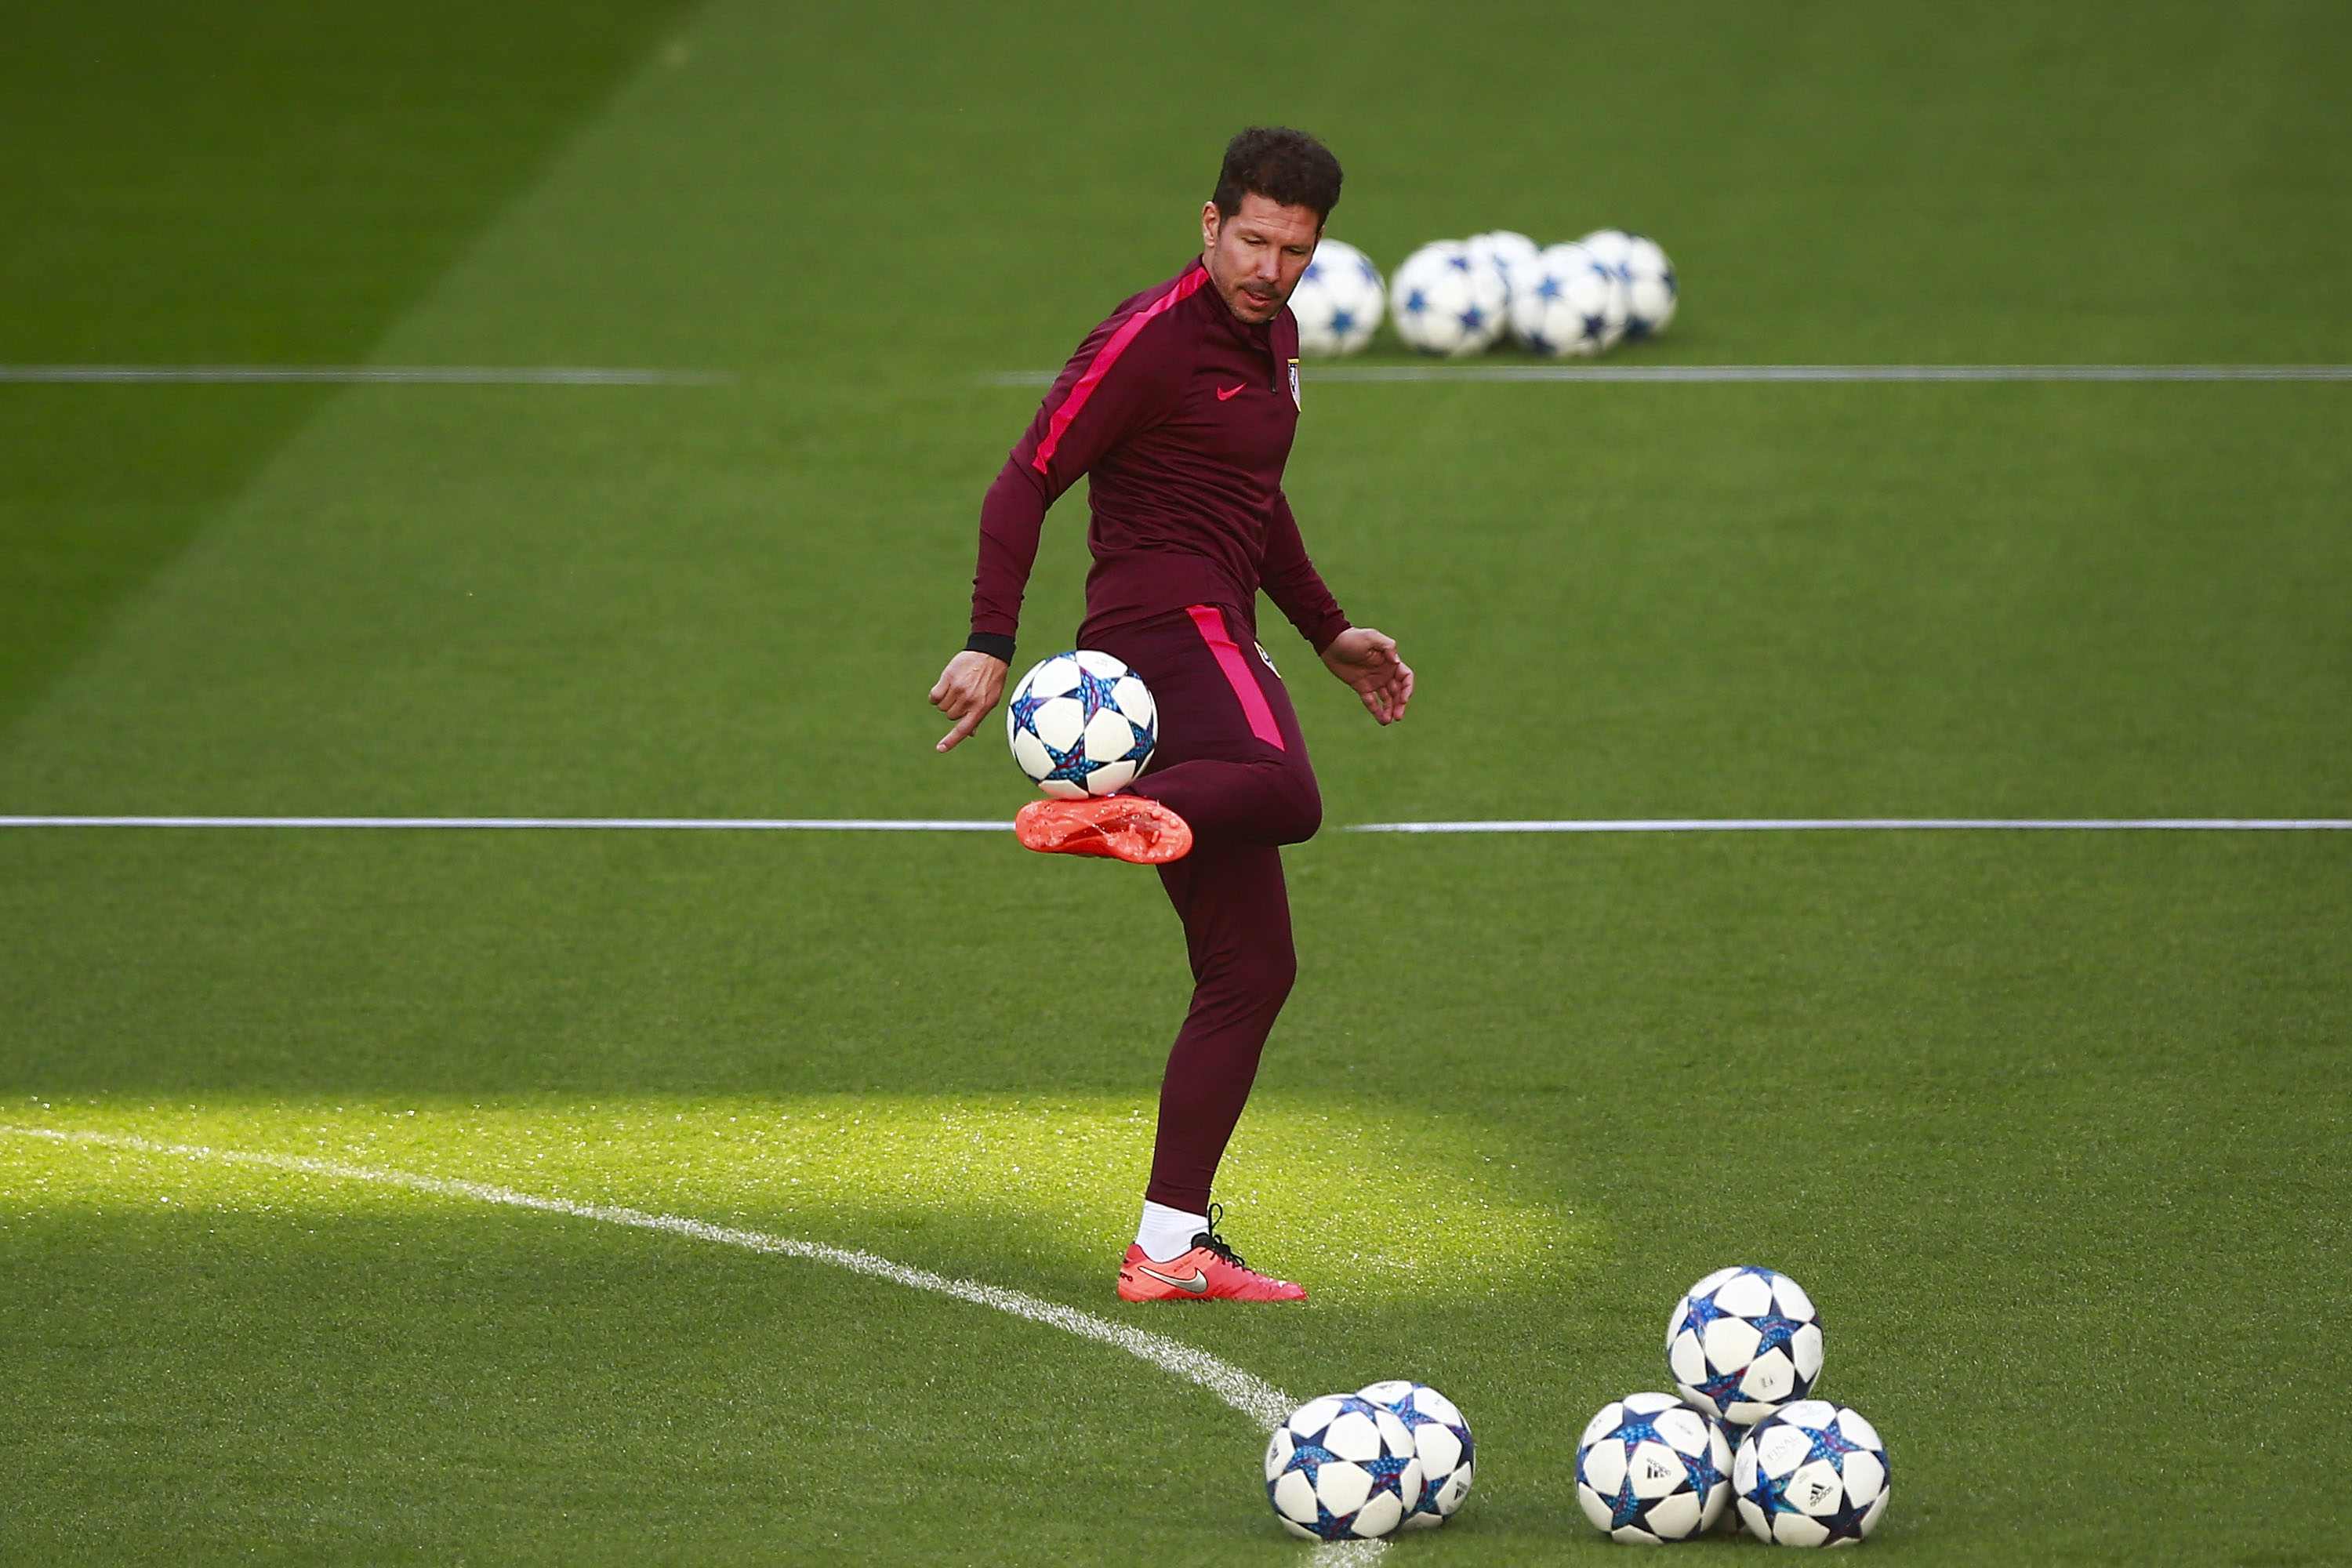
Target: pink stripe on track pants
x,y
1243,795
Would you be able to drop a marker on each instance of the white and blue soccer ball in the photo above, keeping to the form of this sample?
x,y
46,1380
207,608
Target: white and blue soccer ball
x,y
1811,1474
1447,302
1572,306
1337,301
1743,1342
1650,1468
1510,253
1647,275
1342,1468
1441,1441
1081,723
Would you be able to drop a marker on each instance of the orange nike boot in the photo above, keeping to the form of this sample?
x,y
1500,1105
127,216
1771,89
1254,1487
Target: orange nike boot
x,y
1212,1271
1117,828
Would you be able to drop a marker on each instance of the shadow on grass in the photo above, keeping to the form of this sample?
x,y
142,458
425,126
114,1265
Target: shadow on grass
x,y
242,1376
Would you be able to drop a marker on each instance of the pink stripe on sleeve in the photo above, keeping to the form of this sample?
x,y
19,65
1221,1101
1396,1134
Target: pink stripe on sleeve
x,y
1211,623
1108,356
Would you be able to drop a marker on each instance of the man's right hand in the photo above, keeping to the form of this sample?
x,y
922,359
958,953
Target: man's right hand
x,y
967,689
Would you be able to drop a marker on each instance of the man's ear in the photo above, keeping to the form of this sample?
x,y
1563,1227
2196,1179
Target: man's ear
x,y
1211,221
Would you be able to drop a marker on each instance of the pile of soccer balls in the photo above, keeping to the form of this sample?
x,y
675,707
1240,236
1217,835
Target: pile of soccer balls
x,y
1459,297
1745,1349
1356,1467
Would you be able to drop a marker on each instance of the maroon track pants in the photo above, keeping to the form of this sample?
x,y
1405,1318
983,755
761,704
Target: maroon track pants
x,y
1231,762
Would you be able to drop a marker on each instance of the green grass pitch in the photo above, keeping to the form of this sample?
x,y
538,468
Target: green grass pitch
x,y
2052,1125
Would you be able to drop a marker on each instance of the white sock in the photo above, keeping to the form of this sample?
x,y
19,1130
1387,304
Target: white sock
x,y
1167,1233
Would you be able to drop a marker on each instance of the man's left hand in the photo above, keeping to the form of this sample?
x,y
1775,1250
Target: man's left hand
x,y
1368,662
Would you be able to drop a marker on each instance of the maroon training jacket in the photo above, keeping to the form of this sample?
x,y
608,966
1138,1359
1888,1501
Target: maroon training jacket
x,y
1183,413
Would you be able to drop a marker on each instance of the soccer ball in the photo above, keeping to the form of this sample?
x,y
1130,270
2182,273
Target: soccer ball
x,y
1733,1435
1080,724
1337,301
1812,1474
1342,1468
1447,302
1651,1469
1570,304
1509,253
1744,1343
1441,1441
1647,275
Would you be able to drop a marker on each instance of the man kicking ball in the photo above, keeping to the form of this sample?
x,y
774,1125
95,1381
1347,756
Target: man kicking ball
x,y
1181,407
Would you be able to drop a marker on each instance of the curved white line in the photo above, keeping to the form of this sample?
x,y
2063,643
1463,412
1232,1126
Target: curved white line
x,y
363,374
1880,825
1253,1396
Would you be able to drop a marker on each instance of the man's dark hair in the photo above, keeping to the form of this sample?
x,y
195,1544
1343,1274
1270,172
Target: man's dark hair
x,y
1288,168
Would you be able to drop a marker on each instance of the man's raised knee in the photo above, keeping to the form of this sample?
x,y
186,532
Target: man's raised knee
x,y
1299,813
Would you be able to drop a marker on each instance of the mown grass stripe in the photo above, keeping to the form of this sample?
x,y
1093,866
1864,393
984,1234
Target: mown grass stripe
x,y
1879,825
1786,372
650,823
360,374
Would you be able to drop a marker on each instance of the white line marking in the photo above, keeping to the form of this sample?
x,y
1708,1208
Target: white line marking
x,y
663,824
1783,372
1880,825
1253,1396
363,374
990,824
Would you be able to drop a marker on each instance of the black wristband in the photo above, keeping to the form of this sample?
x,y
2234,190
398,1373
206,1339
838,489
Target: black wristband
x,y
995,645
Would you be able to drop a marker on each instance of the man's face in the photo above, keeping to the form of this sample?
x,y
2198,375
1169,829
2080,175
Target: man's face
x,y
1255,257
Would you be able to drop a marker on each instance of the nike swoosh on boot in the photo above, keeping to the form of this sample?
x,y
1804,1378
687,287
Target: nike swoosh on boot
x,y
1198,1285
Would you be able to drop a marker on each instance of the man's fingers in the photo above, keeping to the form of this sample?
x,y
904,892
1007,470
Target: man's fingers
x,y
966,691
1395,692
964,727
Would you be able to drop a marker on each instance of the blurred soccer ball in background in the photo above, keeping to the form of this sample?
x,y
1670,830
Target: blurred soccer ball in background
x,y
1508,252
1338,301
1647,275
1570,306
1447,302
1081,723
